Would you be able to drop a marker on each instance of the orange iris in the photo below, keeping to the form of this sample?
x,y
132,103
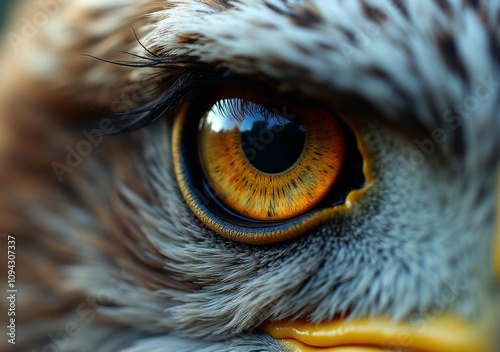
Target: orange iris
x,y
269,161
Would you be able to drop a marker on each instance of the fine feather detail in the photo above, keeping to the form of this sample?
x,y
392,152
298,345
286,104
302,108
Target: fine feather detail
x,y
114,251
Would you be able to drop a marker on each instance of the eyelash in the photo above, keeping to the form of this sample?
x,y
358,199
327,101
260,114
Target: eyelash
x,y
183,90
185,78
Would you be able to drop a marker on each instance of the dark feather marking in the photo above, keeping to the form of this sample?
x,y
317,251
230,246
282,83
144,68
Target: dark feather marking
x,y
349,35
472,3
444,6
400,5
305,17
448,49
495,47
374,14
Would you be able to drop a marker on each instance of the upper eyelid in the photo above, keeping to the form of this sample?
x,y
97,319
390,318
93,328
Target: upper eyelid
x,y
175,90
185,77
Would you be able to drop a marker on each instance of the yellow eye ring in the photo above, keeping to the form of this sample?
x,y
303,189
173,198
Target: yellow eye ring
x,y
207,205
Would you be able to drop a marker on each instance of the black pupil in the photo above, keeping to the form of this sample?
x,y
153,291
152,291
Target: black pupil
x,y
273,143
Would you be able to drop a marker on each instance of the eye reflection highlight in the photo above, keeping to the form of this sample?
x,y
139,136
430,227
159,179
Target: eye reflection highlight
x,y
267,161
272,141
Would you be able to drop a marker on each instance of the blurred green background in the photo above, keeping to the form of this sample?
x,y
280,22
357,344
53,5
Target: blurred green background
x,y
4,6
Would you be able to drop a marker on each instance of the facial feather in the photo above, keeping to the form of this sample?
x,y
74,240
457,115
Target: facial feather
x,y
115,249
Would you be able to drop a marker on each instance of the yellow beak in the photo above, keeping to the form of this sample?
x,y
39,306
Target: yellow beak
x,y
432,334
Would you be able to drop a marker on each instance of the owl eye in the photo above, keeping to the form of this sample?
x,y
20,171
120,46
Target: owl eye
x,y
260,169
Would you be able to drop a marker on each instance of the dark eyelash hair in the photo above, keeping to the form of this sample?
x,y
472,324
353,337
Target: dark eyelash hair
x,y
182,78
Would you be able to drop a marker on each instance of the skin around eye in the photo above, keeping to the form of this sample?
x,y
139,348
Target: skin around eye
x,y
269,161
